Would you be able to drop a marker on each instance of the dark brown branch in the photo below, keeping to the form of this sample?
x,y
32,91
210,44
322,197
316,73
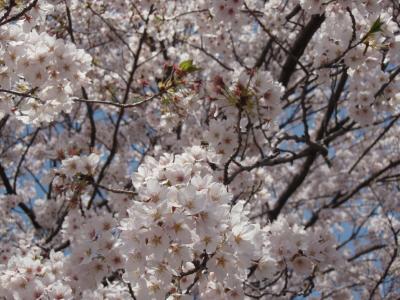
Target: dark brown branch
x,y
366,251
263,55
393,257
90,113
276,40
6,182
23,158
29,212
299,46
9,8
11,191
379,137
294,12
331,105
384,275
121,112
20,14
26,94
60,222
299,178
131,293
365,183
61,247
69,20
292,187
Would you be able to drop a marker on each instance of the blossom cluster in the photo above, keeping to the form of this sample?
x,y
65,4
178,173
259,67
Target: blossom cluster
x,y
184,234
223,149
32,277
95,253
366,44
245,103
302,251
43,70
183,223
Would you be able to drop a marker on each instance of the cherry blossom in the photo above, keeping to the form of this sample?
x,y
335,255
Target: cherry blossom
x,y
227,149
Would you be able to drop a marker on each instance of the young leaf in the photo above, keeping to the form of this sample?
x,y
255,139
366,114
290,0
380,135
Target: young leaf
x,y
188,66
376,26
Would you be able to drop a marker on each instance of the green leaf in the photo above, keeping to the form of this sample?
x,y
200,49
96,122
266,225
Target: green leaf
x,y
158,19
165,100
188,66
376,26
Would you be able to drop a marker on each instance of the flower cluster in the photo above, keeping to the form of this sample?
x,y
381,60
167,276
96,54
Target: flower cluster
x,y
33,277
292,247
184,234
45,69
95,253
226,10
255,93
222,137
367,46
199,149
364,101
182,224
80,165
7,203
245,104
